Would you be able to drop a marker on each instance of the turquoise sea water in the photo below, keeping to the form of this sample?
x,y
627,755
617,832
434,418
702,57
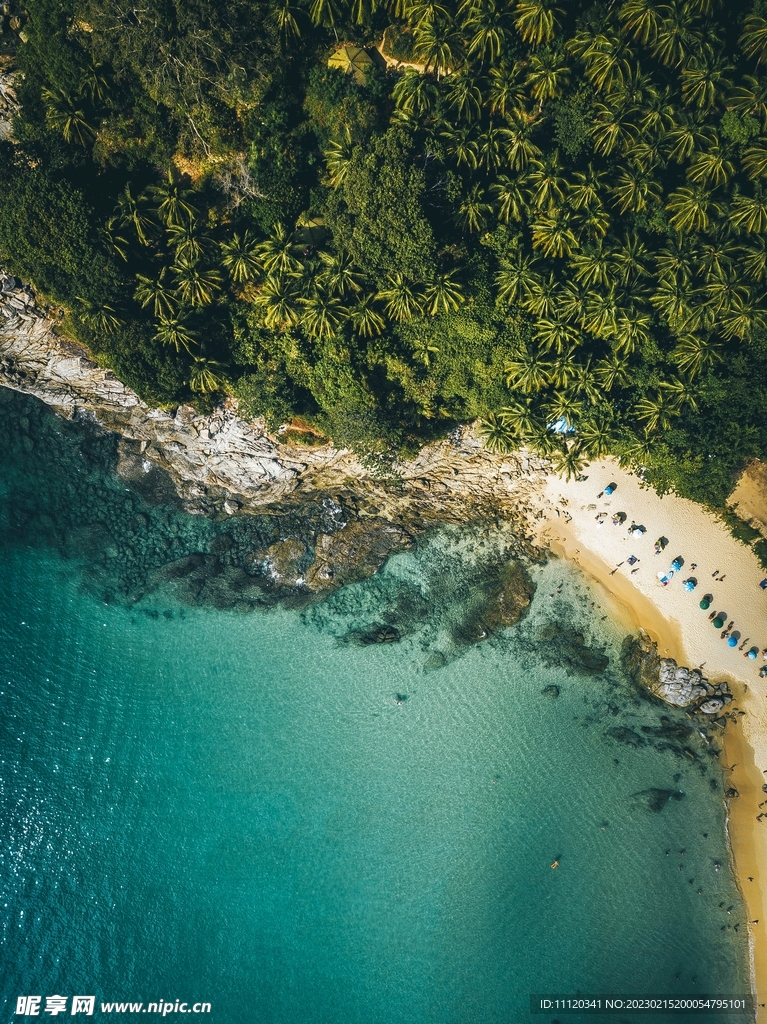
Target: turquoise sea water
x,y
253,809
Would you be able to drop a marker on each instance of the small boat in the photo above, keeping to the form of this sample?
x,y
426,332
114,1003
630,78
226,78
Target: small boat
x,y
555,865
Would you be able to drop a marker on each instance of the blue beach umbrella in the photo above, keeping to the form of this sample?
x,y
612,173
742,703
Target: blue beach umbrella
x,y
752,653
732,641
677,564
610,488
690,584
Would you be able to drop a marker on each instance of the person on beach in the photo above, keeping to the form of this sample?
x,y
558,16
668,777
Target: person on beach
x,y
715,572
720,578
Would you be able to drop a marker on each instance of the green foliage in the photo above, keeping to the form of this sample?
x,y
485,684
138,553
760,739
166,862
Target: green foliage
x,y
377,214
564,216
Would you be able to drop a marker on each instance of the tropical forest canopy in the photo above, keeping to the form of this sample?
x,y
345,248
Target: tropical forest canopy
x,y
548,212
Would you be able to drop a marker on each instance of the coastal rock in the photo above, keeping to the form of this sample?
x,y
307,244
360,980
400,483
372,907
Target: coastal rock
x,y
676,685
512,600
222,465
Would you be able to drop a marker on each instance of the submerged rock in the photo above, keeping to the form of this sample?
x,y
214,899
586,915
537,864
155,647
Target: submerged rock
x,y
656,799
550,691
559,644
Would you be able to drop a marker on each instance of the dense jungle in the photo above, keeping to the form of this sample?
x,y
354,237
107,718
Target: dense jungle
x,y
373,220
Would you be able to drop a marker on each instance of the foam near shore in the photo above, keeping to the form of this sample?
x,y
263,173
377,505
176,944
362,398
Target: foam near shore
x,y
571,526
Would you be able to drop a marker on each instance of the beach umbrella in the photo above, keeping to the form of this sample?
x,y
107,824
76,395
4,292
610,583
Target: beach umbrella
x,y
705,604
610,488
677,564
719,622
619,517
690,584
752,653
637,531
732,641
660,544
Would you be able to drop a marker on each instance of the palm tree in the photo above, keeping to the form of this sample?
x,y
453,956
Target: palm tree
x,y
569,463
65,114
497,434
285,16
489,148
115,241
704,79
688,135
516,278
715,257
545,182
402,301
584,192
510,203
240,258
486,22
593,266
571,302
630,259
597,436
695,354
631,331
438,46
599,315
711,168
556,335
205,375
443,294
174,331
741,316
278,252
518,147
339,275
679,394
641,19
750,97
672,299
609,62
749,213
505,90
675,39
553,235
522,419
537,21
755,162
365,318
562,369
338,156
326,13
691,209
190,244
612,371
635,190
424,351
753,39
754,259
196,284
563,405
157,293
528,372
462,145
585,383
542,300
98,82
131,212
415,93
278,296
548,75
675,260
656,413
612,127
323,315
473,211
464,96
99,316
418,12
173,201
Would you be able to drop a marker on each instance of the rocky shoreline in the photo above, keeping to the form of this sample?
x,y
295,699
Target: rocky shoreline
x,y
226,468
674,684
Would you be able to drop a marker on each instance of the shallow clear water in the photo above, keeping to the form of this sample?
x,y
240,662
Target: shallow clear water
x,y
200,804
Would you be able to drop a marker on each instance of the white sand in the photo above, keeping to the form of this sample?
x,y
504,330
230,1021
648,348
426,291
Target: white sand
x,y
683,630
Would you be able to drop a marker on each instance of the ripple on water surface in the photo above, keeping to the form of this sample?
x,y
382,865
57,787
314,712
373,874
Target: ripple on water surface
x,y
266,812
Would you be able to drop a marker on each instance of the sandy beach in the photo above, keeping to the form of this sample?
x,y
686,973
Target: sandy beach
x,y
572,525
